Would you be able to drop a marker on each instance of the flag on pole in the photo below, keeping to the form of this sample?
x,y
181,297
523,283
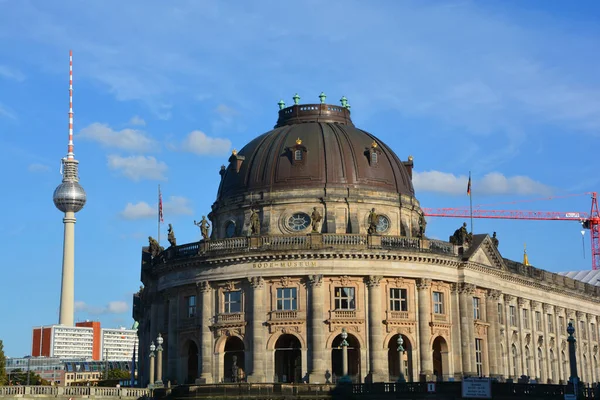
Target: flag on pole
x,y
160,208
469,185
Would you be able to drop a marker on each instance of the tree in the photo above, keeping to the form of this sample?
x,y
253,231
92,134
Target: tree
x,y
3,380
118,374
19,377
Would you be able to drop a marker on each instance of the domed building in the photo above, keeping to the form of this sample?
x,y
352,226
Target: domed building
x,y
317,236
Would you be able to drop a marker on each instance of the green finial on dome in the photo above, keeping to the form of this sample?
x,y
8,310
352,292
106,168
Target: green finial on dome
x,y
296,99
344,101
348,107
281,104
322,97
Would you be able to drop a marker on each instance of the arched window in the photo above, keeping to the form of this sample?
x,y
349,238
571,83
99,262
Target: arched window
x,y
527,361
373,158
552,366
298,155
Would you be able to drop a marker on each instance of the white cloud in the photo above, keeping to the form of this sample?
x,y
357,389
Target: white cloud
x,y
137,168
37,167
11,73
113,307
493,183
199,143
125,139
175,205
136,120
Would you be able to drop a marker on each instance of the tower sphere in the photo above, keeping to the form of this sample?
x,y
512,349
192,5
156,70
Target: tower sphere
x,y
69,197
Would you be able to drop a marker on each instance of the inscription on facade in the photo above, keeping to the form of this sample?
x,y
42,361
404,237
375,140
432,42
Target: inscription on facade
x,y
284,264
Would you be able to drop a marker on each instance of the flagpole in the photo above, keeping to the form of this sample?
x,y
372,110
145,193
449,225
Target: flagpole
x,y
471,202
159,205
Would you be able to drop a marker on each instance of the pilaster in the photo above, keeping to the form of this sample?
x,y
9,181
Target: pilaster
x,y
425,351
206,342
467,328
258,333
493,342
378,355
317,369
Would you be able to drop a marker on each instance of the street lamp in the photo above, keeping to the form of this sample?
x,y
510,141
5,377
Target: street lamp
x,y
573,379
159,351
345,378
152,348
400,341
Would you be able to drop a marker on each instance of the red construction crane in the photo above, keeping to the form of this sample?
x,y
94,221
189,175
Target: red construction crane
x,y
589,220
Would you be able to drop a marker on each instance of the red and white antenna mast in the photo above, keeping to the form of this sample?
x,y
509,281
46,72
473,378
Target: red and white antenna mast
x,y
70,155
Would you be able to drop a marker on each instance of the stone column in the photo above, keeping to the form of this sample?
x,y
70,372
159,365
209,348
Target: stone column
x,y
592,365
532,341
546,308
317,335
206,343
579,315
455,331
559,360
467,328
258,333
425,351
377,352
152,366
493,330
509,328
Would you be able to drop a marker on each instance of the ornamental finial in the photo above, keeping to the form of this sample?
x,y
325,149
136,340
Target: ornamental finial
x,y
322,97
234,152
374,144
298,141
281,104
344,101
296,99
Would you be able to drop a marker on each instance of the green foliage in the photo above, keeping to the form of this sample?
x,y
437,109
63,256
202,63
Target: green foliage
x,y
3,379
118,374
19,377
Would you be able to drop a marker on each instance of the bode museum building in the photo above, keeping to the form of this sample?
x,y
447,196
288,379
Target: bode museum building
x,y
315,235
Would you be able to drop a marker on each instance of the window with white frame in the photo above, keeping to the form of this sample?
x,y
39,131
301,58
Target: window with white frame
x,y
594,332
298,155
550,323
525,318
233,301
344,298
191,306
398,299
561,325
438,302
479,356
512,313
287,299
538,320
476,308
583,330
500,314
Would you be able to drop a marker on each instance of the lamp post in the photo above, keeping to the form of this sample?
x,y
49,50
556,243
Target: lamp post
x,y
159,351
345,378
152,348
401,378
573,379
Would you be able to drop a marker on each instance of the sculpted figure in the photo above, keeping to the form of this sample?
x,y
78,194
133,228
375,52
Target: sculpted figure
x,y
422,226
254,223
154,248
461,235
373,222
316,220
171,236
495,240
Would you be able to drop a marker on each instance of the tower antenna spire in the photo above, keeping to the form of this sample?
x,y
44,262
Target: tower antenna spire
x,y
70,154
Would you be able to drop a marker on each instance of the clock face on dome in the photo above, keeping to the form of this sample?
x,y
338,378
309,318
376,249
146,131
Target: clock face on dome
x,y
384,224
298,222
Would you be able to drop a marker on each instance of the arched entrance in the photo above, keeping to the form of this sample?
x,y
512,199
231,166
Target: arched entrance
x,y
288,359
234,360
192,362
394,364
353,358
441,363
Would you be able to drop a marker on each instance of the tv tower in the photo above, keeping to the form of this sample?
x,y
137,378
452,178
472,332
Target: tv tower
x,y
69,197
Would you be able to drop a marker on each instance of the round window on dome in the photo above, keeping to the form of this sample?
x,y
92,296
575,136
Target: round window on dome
x,y
298,222
384,224
230,229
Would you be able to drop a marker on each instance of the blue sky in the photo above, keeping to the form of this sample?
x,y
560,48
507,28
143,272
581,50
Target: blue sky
x,y
163,93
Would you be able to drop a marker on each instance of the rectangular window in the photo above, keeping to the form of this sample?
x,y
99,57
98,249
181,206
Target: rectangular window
x,y
512,312
550,323
476,308
525,318
500,314
233,301
438,302
191,306
561,325
287,299
538,320
344,298
582,329
479,356
594,333
398,300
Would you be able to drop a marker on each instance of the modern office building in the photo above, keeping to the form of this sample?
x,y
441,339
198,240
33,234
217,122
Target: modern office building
x,y
119,344
316,234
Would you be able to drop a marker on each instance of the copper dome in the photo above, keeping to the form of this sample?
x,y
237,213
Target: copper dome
x,y
315,146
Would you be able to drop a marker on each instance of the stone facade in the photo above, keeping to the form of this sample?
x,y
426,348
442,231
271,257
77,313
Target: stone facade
x,y
266,297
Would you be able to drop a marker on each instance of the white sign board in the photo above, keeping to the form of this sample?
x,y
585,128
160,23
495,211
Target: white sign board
x,y
477,388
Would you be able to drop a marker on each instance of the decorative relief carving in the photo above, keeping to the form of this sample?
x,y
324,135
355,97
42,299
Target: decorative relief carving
x,y
399,281
528,339
515,336
579,314
540,341
551,343
481,330
547,308
589,316
595,349
423,283
534,304
522,302
345,280
257,282
559,310
286,281
563,345
454,287
508,298
290,329
204,286
467,288
229,286
315,280
494,294
373,281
